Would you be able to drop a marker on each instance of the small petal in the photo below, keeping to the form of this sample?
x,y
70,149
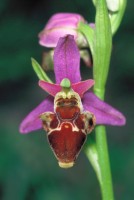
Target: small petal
x,y
51,88
67,60
82,86
58,26
32,121
104,113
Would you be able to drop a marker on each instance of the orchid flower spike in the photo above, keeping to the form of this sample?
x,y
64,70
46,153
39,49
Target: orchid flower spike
x,y
70,111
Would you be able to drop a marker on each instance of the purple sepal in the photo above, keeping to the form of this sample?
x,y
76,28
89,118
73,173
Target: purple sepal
x,y
32,121
67,60
104,113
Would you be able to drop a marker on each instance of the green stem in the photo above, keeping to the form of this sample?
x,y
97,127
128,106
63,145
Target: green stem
x,y
101,58
103,157
97,153
102,149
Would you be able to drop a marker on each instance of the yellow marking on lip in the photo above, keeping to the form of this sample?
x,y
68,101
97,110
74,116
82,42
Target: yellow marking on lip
x,y
66,126
66,165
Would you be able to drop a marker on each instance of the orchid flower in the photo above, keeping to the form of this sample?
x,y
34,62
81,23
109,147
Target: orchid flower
x,y
70,111
60,25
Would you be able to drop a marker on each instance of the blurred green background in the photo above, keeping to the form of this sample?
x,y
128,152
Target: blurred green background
x,y
28,168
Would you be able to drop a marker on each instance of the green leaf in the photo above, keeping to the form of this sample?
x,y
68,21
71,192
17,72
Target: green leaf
x,y
92,155
88,32
102,46
39,71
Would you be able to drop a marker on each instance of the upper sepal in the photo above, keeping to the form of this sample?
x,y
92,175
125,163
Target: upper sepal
x,y
67,60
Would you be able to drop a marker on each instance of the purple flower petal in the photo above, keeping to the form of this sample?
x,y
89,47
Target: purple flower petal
x,y
82,86
32,121
51,88
67,60
58,26
65,19
104,113
50,38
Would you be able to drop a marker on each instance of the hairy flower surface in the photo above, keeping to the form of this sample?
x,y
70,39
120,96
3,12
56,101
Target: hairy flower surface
x,y
70,111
